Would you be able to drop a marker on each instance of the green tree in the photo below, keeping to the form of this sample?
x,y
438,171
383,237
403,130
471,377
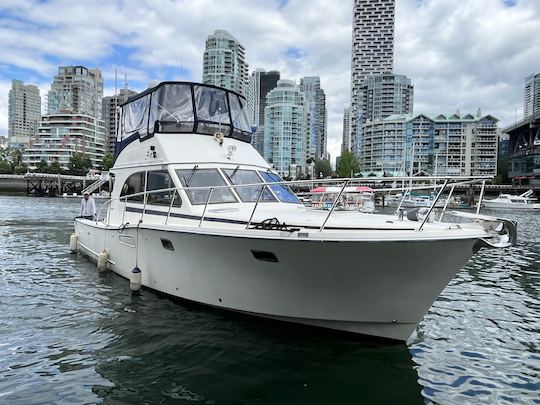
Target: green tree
x,y
55,168
42,166
348,165
79,164
5,167
20,169
322,166
107,162
16,157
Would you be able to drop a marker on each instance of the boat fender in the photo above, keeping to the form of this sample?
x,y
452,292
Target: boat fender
x,y
103,258
135,280
73,243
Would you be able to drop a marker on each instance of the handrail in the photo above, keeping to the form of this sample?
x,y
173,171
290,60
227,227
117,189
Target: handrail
x,y
426,217
206,206
453,181
333,206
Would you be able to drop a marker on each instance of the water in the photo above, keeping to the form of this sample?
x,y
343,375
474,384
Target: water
x,y
71,335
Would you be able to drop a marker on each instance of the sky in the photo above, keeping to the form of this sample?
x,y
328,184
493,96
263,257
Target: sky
x,y
460,54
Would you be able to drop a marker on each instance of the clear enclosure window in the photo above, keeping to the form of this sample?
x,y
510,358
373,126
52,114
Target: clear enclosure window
x,y
284,193
160,180
248,193
205,178
134,184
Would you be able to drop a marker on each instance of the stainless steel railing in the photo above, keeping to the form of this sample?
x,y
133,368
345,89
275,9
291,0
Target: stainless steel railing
x,y
453,182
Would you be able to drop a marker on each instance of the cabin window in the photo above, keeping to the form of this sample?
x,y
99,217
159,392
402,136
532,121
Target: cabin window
x,y
161,180
205,178
284,193
134,184
248,193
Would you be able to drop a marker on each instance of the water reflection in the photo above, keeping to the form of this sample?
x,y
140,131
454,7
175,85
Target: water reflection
x,y
69,334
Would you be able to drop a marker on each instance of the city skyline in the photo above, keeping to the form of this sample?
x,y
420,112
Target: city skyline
x,y
455,65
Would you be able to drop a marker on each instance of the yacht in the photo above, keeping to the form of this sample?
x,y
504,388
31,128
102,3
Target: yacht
x,y
514,202
197,213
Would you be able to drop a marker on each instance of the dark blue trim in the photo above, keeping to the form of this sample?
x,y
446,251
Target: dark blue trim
x,y
238,222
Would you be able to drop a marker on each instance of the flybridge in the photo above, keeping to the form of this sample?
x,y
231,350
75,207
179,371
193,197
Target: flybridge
x,y
183,107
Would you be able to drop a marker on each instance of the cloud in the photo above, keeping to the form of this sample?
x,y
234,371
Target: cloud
x,y
466,54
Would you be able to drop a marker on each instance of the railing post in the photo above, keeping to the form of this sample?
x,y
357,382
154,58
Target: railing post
x,y
206,206
447,201
481,197
170,207
433,205
255,207
334,205
124,213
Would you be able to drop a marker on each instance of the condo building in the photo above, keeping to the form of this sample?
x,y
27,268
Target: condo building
x,y
260,83
315,102
224,62
110,105
24,113
286,128
531,104
372,49
443,144
73,121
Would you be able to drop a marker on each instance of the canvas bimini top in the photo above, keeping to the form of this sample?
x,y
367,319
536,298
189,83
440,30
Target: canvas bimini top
x,y
183,107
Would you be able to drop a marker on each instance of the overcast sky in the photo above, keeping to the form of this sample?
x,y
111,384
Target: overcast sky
x,y
460,54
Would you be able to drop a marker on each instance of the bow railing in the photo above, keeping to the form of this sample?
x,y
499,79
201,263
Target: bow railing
x,y
447,181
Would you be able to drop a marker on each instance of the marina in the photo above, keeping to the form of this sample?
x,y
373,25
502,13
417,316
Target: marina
x,y
72,334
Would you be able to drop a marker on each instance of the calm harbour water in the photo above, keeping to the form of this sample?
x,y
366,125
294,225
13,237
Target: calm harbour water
x,y
71,335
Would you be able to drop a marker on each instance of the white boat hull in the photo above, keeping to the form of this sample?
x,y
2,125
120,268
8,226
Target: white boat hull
x,y
380,289
511,206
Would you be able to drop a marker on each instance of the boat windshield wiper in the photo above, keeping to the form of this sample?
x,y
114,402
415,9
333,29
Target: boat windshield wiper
x,y
164,109
234,172
188,182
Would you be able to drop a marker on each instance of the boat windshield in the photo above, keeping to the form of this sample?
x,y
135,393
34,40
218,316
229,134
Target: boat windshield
x,y
181,107
248,193
284,193
205,178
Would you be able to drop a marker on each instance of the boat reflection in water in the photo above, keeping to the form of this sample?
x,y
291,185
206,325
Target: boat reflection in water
x,y
198,214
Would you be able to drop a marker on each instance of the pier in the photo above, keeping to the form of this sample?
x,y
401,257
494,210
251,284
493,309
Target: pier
x,y
45,184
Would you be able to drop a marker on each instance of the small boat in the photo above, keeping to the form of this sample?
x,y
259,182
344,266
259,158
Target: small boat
x,y
197,213
353,198
514,202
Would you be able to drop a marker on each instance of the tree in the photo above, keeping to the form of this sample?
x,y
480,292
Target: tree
x,y
79,164
108,161
5,167
323,166
16,157
20,169
348,165
55,168
42,166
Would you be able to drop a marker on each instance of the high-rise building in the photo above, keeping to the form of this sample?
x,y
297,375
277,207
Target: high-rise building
x,y
315,101
224,62
372,47
73,121
532,95
24,113
109,107
260,83
286,127
444,144
381,95
76,89
346,142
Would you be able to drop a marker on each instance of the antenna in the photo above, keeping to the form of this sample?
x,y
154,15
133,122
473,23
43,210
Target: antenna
x,y
115,71
125,81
